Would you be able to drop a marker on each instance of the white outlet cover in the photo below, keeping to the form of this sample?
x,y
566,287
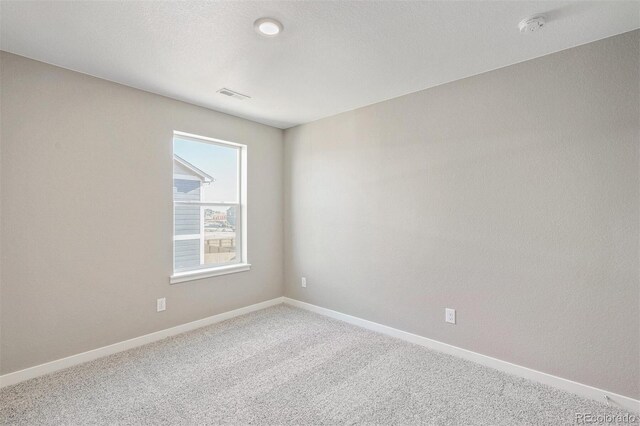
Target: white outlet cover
x,y
161,304
304,282
450,315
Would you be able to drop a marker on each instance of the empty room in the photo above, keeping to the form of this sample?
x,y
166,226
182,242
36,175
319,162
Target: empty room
x,y
319,212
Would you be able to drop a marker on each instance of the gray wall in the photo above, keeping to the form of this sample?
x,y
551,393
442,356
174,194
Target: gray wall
x,y
511,196
83,261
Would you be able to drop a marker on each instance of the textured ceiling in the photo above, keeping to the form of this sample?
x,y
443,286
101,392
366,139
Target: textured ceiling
x,y
331,57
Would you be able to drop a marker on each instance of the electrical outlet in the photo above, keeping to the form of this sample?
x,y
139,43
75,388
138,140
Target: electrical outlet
x,y
304,282
161,304
450,315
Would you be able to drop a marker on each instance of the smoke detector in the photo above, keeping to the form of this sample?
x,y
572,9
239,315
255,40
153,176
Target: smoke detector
x,y
531,25
233,94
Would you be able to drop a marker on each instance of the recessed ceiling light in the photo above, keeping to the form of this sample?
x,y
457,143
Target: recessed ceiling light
x,y
268,27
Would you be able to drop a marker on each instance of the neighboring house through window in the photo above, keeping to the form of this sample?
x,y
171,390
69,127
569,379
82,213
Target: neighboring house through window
x,y
188,181
209,198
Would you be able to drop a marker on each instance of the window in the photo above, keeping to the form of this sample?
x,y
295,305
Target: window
x,y
209,207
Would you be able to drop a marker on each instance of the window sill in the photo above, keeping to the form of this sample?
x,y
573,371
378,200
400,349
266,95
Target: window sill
x,y
181,277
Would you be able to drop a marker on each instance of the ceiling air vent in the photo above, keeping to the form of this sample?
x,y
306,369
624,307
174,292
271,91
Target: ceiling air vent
x,y
232,94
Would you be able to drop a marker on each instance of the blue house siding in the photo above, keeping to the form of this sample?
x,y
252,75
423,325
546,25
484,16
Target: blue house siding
x,y
186,190
187,253
187,222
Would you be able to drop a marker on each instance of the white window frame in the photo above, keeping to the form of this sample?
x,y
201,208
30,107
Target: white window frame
x,y
241,225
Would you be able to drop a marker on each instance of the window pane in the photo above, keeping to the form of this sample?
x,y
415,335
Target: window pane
x,y
216,245
220,242
204,171
206,195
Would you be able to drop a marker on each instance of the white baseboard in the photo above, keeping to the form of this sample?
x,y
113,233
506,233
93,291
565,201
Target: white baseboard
x,y
59,364
586,391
